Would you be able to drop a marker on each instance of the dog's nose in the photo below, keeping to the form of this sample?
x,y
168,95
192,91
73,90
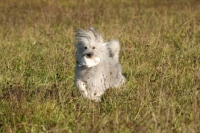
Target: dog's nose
x,y
88,55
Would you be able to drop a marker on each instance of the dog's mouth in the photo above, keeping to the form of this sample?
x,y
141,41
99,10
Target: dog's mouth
x,y
88,61
88,55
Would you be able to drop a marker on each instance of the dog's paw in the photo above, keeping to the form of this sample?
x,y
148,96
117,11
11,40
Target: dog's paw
x,y
98,99
95,95
81,86
95,98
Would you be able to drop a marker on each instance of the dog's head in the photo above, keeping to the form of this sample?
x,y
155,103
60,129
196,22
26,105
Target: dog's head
x,y
90,47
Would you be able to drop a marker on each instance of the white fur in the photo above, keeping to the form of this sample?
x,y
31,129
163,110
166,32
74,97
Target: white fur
x,y
98,67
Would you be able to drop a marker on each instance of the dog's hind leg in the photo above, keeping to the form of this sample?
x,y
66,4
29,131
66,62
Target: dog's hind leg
x,y
120,80
114,48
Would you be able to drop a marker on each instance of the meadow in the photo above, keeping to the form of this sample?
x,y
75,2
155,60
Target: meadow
x,y
160,57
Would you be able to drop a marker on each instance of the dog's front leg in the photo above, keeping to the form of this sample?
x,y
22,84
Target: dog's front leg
x,y
90,94
81,86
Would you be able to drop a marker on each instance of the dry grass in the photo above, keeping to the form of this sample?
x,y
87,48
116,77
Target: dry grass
x,y
160,55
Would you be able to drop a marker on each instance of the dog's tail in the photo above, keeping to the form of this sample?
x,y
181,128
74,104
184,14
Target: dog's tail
x,y
114,48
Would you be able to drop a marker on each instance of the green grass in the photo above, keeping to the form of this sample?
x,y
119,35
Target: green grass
x,y
160,55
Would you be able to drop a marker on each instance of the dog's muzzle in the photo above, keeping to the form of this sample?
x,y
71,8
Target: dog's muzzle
x,y
88,55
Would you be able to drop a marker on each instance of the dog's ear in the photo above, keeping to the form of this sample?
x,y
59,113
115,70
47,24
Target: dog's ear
x,y
80,36
98,37
104,44
94,31
80,33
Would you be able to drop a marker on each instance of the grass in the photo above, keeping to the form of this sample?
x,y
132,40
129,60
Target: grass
x,y
160,55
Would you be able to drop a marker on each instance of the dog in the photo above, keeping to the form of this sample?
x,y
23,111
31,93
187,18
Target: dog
x,y
98,67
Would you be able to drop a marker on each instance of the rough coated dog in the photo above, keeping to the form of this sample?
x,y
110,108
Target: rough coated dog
x,y
98,67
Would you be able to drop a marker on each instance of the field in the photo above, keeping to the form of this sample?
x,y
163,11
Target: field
x,y
160,56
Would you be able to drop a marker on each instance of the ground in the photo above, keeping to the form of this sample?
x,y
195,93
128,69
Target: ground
x,y
160,57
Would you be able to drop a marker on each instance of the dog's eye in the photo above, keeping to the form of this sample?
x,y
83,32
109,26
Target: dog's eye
x,y
93,47
85,47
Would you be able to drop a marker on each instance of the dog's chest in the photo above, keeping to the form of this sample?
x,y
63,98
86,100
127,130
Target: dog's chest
x,y
99,76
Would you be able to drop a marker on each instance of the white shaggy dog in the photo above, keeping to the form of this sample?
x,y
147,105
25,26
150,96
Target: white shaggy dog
x,y
98,67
